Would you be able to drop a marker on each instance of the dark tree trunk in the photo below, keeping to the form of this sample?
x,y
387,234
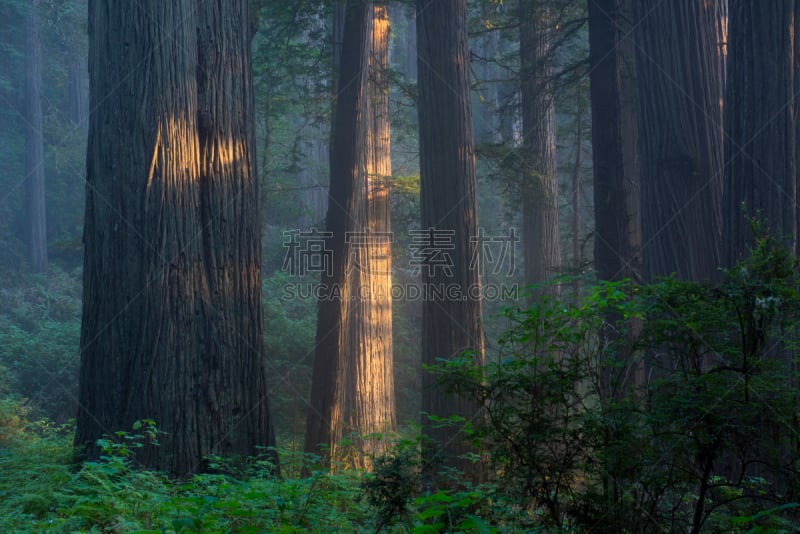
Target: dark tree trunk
x,y
324,429
616,195
450,324
616,240
539,189
172,326
34,144
680,127
761,147
796,119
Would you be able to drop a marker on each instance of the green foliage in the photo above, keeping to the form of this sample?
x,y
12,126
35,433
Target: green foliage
x,y
39,341
649,408
40,492
708,442
394,482
289,330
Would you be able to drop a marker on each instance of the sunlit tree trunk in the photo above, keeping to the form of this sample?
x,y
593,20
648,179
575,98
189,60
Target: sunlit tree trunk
x,y
34,144
451,324
368,395
172,326
680,83
539,188
760,122
331,365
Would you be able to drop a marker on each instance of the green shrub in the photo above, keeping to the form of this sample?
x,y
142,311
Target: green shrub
x,y
40,341
648,408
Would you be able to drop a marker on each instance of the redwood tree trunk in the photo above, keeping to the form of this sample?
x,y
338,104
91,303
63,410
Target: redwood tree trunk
x,y
451,324
540,226
680,126
616,243
172,326
761,144
328,387
369,407
616,195
34,144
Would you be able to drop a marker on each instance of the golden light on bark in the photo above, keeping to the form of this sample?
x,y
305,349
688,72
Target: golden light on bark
x,y
222,154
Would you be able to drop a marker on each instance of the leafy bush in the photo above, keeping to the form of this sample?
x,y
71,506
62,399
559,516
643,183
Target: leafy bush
x,y
40,341
40,491
649,408
393,484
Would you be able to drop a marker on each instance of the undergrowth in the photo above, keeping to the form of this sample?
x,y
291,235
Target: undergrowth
x,y
42,490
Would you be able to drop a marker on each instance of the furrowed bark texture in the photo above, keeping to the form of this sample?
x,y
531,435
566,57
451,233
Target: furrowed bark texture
x,y
680,87
368,398
540,226
324,431
172,326
760,149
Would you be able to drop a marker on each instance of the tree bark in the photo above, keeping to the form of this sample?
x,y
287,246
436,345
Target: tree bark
x,y
34,144
760,149
451,324
172,326
328,387
369,405
680,84
540,226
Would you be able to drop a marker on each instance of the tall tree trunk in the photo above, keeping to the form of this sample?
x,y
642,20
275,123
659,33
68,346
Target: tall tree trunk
x,y
78,76
172,326
314,152
796,118
577,255
411,47
615,195
34,144
761,146
324,429
487,115
761,152
540,226
368,393
450,326
680,121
